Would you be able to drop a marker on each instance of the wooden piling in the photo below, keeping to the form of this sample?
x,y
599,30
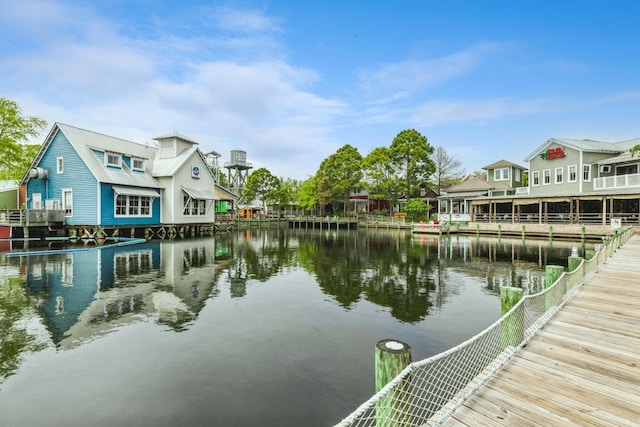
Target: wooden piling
x,y
574,262
391,357
512,330
552,274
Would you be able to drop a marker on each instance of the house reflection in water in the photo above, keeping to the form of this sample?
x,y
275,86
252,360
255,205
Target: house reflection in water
x,y
85,294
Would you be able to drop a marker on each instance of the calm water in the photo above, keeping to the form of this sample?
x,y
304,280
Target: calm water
x,y
255,328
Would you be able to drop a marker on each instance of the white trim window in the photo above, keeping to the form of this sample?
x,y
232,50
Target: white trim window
x,y
559,175
194,207
126,205
67,202
59,165
517,175
501,174
113,160
586,173
573,173
535,178
137,164
546,177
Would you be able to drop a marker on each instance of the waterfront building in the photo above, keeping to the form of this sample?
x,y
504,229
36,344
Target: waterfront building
x,y
570,181
102,182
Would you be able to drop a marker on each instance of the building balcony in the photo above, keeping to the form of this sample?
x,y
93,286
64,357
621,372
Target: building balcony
x,y
522,190
617,182
31,217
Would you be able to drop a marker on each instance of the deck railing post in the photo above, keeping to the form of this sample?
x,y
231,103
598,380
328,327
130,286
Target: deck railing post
x,y
512,328
552,274
392,356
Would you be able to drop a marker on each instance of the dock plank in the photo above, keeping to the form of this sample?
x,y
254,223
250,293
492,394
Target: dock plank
x,y
582,368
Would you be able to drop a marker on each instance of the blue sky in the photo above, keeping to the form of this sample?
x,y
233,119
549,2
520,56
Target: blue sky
x,y
290,82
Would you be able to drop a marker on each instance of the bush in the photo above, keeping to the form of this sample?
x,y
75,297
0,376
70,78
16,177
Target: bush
x,y
417,210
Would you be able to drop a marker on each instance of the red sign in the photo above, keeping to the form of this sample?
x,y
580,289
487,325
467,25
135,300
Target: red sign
x,y
553,153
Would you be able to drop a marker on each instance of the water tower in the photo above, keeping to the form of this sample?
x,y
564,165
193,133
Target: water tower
x,y
212,161
238,172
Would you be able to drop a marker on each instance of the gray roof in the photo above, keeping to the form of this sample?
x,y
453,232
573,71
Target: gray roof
x,y
175,135
587,145
169,166
475,183
502,164
85,141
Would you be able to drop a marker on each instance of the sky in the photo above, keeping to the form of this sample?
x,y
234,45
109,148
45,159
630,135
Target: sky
x,y
290,82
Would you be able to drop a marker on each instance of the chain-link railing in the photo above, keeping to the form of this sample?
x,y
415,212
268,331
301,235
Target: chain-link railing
x,y
428,391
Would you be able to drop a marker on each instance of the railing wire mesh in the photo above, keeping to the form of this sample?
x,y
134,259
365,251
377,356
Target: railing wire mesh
x,y
427,392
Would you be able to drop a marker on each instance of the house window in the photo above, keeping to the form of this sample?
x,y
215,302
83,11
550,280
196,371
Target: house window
x,y
546,177
137,165
559,175
67,202
60,164
573,173
535,178
132,206
501,174
517,177
113,160
586,172
193,207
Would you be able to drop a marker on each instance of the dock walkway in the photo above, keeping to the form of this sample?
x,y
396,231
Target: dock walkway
x,y
582,368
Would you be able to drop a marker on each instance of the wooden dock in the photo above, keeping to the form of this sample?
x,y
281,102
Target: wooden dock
x,y
582,368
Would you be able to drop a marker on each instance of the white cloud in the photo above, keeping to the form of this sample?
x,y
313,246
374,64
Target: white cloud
x,y
438,112
410,76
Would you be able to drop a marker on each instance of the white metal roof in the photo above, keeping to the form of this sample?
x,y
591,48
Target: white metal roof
x,y
85,142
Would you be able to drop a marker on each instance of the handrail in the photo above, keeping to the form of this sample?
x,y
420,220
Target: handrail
x,y
430,390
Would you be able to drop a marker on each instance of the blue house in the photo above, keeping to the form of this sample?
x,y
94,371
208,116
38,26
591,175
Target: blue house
x,y
104,181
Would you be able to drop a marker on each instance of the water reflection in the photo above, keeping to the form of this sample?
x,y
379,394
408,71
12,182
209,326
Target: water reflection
x,y
68,298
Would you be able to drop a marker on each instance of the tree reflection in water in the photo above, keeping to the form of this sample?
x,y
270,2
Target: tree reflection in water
x,y
73,297
393,269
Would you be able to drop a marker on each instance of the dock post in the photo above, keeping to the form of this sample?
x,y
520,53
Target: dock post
x,y
523,232
477,229
574,262
499,230
552,274
391,357
512,332
550,232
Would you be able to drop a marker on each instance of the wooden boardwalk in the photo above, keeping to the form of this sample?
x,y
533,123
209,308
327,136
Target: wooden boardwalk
x,y
582,368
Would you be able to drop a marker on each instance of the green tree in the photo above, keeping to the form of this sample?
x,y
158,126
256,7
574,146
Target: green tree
x,y
411,154
308,195
382,180
634,150
262,185
417,210
287,192
15,130
339,175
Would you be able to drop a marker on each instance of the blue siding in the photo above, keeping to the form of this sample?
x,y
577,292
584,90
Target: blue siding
x,y
108,210
76,176
48,283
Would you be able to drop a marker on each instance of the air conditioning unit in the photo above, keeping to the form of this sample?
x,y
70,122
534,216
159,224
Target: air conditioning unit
x,y
605,169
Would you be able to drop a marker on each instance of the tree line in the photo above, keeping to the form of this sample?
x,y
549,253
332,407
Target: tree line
x,y
387,173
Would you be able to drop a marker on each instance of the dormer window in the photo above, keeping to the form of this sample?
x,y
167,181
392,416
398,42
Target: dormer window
x,y
137,165
113,160
501,174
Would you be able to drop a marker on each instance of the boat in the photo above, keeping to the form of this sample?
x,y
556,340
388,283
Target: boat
x,y
432,227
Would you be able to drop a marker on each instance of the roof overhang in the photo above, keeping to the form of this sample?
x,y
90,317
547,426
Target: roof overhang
x,y
197,193
135,191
